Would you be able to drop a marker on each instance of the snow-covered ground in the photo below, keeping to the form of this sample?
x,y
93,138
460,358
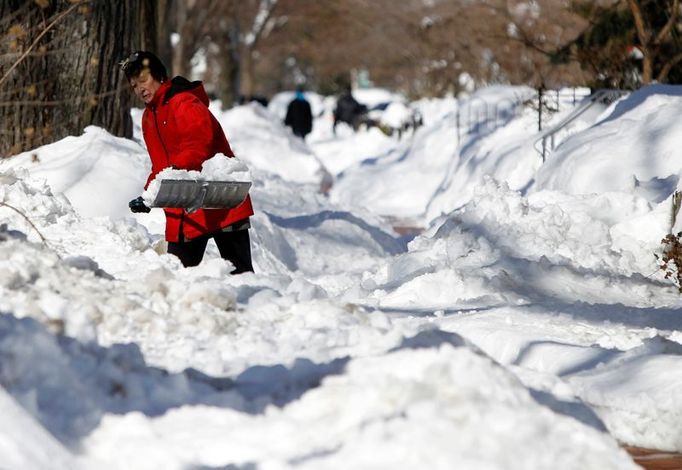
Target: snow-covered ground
x,y
527,326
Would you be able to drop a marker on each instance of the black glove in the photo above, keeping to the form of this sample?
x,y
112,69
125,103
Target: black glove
x,y
138,205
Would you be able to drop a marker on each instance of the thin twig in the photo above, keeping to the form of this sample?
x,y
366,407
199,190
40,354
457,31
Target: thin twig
x,y
49,27
44,240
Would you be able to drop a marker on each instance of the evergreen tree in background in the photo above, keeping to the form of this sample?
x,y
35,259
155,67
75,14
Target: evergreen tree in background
x,y
628,44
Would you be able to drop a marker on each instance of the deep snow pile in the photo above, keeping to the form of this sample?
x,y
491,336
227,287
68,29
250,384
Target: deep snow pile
x,y
525,327
435,172
634,148
75,388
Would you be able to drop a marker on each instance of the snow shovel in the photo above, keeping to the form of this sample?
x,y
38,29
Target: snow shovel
x,y
192,195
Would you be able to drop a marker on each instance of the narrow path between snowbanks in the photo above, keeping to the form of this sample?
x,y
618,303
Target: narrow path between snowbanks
x,y
651,459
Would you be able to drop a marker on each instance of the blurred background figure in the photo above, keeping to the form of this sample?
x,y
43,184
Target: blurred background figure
x,y
348,110
299,116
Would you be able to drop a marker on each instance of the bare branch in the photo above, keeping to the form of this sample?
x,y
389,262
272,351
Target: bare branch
x,y
665,70
4,204
639,23
260,21
674,13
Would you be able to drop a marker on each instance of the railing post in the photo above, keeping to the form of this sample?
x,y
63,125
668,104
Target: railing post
x,y
544,148
540,93
459,136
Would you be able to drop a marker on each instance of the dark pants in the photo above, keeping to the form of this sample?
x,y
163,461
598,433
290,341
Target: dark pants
x,y
233,246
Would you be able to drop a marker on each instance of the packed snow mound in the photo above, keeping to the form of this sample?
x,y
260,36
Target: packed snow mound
x,y
262,141
39,216
98,279
496,134
69,385
433,110
410,171
633,149
79,167
593,255
347,148
345,345
433,173
503,247
396,115
398,409
25,443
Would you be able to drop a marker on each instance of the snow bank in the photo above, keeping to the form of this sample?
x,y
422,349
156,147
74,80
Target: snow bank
x,y
259,139
410,171
26,444
346,149
434,173
346,346
398,410
81,167
502,247
503,250
633,149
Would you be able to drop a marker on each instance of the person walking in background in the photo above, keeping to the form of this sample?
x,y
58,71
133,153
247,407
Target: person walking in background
x,y
348,110
180,132
299,116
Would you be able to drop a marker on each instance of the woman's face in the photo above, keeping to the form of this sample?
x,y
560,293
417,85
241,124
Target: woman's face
x,y
145,86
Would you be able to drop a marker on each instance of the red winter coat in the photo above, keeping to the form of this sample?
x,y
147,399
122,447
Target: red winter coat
x,y
181,132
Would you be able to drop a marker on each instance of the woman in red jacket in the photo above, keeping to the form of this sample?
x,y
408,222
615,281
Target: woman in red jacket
x,y
180,132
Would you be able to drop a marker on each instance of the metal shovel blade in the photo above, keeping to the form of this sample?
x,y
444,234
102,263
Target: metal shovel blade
x,y
193,195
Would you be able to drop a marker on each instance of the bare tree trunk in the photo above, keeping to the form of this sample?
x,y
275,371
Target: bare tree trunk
x,y
234,70
73,80
247,78
164,27
647,68
230,83
182,50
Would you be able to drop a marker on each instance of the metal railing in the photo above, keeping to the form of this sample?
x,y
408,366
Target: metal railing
x,y
547,141
477,115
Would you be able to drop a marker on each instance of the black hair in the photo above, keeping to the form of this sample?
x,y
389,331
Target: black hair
x,y
141,60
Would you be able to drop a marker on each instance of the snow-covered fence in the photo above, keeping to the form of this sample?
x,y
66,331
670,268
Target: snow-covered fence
x,y
548,140
482,117
549,102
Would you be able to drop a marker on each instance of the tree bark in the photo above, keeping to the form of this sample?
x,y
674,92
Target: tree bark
x,y
73,79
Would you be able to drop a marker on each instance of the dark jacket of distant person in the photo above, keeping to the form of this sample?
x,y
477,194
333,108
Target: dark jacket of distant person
x,y
348,109
299,116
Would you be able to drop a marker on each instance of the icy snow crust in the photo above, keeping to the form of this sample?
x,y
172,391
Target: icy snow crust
x,y
526,324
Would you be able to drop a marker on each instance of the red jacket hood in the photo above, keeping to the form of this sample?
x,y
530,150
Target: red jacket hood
x,y
170,88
